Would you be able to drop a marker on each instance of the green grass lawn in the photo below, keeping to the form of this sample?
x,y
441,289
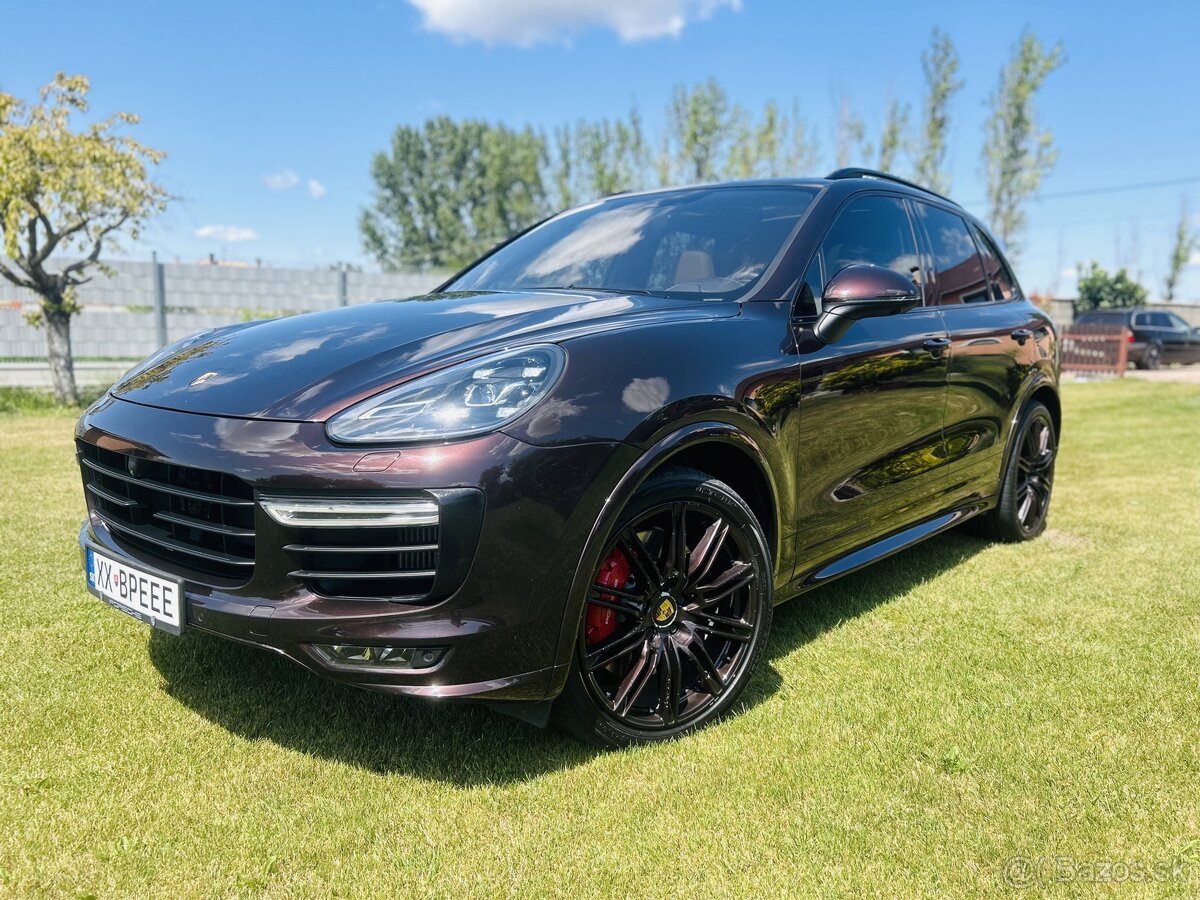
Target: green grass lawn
x,y
916,725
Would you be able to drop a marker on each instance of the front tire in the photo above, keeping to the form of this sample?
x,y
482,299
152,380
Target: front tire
x,y
1027,480
675,618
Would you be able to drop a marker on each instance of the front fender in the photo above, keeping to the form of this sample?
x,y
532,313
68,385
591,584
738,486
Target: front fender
x,y
654,457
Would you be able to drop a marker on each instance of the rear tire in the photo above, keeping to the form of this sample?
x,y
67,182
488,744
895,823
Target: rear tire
x,y
692,607
1027,480
1151,357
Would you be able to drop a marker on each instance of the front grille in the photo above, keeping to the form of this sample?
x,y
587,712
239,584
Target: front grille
x,y
390,563
185,520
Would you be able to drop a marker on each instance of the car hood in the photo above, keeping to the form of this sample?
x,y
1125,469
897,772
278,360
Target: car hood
x,y
307,367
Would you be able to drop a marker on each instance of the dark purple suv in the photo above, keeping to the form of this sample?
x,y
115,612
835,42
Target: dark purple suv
x,y
577,478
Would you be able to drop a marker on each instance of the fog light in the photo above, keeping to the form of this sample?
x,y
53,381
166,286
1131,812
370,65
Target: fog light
x,y
388,657
338,513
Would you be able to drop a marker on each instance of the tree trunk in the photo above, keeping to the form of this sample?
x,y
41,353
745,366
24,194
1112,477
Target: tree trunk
x,y
62,363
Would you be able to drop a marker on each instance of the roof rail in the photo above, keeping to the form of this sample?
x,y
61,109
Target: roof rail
x,y
839,174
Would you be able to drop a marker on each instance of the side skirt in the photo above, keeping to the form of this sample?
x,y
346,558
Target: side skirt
x,y
883,547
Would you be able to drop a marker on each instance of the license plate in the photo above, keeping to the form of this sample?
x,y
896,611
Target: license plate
x,y
147,597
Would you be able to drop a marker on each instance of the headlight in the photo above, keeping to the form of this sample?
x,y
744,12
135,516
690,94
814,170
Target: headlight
x,y
469,398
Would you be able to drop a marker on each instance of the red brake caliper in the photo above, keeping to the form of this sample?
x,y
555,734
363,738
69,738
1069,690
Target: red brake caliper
x,y
601,621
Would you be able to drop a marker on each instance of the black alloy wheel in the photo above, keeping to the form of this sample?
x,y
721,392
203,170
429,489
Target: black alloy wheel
x,y
1028,479
675,617
1035,473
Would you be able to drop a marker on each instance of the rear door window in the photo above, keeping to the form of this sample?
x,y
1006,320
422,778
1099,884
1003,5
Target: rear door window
x,y
958,271
1000,277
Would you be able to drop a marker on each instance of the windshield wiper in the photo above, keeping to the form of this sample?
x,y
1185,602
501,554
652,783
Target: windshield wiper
x,y
590,287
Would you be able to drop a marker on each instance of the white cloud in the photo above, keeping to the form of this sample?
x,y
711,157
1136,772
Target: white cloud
x,y
228,233
1194,259
528,22
281,181
1069,273
316,190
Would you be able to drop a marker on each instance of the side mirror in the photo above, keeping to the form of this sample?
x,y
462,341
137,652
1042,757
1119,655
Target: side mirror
x,y
862,292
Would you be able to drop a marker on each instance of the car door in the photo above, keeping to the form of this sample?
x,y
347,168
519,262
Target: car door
x,y
1190,338
994,342
1176,337
871,403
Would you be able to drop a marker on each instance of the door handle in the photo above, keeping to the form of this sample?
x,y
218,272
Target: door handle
x,y
936,346
1021,335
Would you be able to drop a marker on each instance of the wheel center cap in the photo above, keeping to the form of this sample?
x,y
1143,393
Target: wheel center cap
x,y
665,612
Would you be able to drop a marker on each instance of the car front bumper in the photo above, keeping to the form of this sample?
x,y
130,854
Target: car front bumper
x,y
516,519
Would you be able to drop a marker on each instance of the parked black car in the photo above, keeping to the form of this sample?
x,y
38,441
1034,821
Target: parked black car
x,y
584,470
1155,337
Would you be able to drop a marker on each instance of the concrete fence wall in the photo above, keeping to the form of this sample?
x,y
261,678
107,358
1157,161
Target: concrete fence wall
x,y
119,317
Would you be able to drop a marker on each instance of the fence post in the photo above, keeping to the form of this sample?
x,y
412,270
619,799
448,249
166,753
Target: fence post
x,y
160,302
343,293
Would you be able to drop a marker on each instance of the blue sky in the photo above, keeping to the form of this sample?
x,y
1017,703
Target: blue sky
x,y
270,112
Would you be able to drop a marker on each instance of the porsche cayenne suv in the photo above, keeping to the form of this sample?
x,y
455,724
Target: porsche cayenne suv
x,y
575,479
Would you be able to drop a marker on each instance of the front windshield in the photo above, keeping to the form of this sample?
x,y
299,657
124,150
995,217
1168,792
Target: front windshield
x,y
703,242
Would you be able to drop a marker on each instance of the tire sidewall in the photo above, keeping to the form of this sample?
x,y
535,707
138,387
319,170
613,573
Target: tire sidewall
x,y
1153,356
580,708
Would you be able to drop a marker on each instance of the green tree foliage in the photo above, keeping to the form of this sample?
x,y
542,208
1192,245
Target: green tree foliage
x,y
1099,290
1018,153
800,149
851,147
563,166
67,191
773,145
939,62
754,144
1186,241
701,124
595,159
449,191
893,139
